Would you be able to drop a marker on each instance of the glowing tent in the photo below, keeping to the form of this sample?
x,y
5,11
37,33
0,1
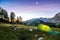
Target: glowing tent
x,y
46,28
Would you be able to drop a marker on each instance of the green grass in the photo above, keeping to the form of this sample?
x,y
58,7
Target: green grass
x,y
6,33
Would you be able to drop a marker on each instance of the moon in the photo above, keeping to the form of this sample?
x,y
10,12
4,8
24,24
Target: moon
x,y
36,3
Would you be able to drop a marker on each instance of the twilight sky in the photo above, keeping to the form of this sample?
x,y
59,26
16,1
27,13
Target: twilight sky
x,y
29,9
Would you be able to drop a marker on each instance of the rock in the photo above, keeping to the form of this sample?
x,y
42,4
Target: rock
x,y
35,28
41,38
36,35
30,29
13,27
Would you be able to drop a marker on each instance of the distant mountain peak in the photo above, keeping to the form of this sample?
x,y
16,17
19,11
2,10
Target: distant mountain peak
x,y
56,18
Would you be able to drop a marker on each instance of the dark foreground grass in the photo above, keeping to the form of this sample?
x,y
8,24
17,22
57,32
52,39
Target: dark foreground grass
x,y
6,33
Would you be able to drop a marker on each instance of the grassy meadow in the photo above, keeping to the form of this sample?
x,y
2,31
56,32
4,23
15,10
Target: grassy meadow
x,y
22,32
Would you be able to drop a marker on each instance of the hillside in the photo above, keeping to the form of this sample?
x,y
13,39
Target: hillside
x,y
23,32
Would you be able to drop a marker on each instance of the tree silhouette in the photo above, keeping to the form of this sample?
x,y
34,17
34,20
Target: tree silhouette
x,y
1,12
12,16
5,14
19,19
